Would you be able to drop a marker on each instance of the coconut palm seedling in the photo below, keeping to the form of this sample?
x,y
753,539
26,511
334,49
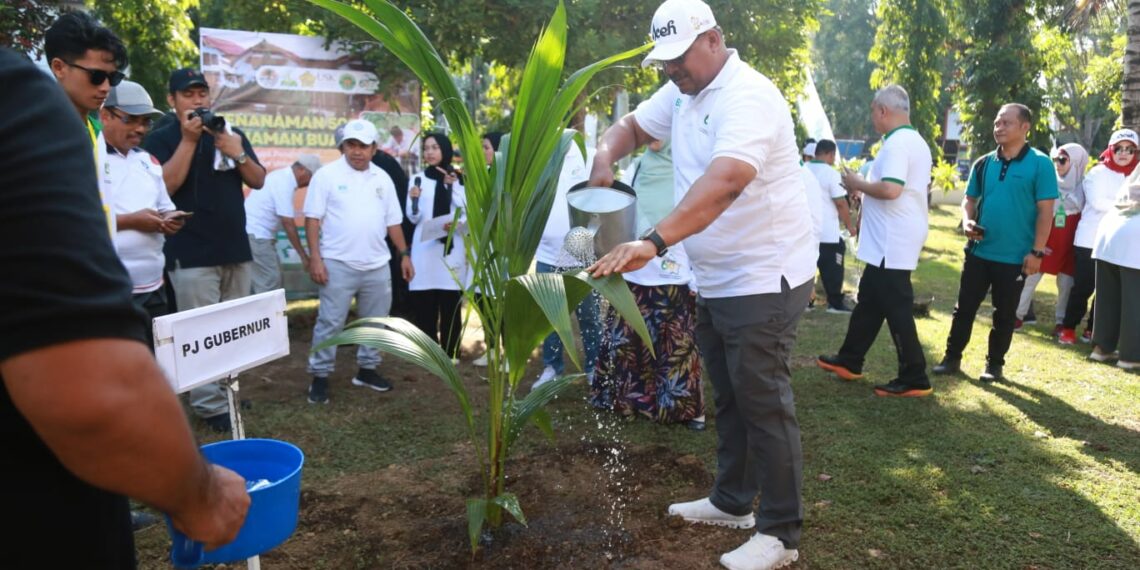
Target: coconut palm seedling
x,y
507,207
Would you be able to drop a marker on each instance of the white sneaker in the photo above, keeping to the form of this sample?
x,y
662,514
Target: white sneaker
x,y
703,511
1098,356
547,375
481,362
1127,365
761,552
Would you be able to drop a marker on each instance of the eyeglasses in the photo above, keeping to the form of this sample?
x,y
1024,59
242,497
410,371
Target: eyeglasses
x,y
142,120
677,61
1061,160
98,76
1121,149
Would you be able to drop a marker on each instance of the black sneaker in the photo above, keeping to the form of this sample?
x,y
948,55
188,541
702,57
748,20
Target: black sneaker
x,y
370,379
220,423
319,390
897,389
834,365
838,310
992,374
948,366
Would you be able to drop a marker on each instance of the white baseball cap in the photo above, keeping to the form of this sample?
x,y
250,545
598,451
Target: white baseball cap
x,y
1124,135
361,130
676,24
130,98
311,162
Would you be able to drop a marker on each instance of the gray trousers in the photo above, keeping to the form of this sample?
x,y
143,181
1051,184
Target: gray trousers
x,y
1064,287
201,286
746,343
266,265
1115,326
373,292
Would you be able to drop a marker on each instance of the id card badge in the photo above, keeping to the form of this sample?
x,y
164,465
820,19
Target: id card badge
x,y
1059,219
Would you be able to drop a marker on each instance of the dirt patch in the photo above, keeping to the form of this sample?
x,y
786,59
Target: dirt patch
x,y
587,504
582,513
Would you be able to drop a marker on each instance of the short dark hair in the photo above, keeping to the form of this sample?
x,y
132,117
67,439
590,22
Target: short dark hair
x,y
74,33
824,146
1023,113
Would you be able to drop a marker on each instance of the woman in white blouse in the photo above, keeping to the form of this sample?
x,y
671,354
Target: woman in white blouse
x,y
436,204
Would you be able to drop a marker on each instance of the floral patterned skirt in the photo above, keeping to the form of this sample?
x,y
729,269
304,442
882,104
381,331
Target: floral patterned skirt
x,y
630,380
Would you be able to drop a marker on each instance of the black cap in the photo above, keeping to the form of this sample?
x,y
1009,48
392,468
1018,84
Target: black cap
x,y
186,78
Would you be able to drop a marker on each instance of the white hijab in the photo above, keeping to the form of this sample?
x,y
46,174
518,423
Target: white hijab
x,y
1069,185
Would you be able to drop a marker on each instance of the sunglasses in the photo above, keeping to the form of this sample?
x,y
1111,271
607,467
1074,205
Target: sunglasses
x,y
1062,160
126,119
1121,149
98,76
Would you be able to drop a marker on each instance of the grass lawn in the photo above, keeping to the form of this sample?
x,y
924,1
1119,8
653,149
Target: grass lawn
x,y
1039,471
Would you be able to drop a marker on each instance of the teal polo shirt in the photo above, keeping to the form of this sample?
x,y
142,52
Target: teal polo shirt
x,y
1009,199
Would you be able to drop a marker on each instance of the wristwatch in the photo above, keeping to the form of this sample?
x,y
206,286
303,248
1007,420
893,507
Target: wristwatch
x,y
241,158
405,253
1037,253
654,238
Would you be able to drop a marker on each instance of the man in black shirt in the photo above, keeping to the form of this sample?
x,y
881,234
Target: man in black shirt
x,y
86,415
209,260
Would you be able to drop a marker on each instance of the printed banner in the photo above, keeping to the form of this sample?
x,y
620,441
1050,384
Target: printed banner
x,y
289,93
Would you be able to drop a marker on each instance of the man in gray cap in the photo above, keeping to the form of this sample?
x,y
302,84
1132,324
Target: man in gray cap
x,y
272,207
132,180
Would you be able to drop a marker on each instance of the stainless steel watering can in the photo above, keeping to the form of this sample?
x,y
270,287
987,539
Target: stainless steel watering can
x,y
609,213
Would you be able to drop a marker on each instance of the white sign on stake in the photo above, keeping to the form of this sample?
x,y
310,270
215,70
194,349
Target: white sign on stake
x,y
199,346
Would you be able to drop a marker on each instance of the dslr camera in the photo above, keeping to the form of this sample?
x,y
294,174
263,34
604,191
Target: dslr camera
x,y
215,123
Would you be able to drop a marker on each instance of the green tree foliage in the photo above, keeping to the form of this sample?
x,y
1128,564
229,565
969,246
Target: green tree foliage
x,y
998,64
841,68
157,34
1082,77
909,48
23,23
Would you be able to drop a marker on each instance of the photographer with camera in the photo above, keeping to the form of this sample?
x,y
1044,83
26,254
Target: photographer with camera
x,y
204,164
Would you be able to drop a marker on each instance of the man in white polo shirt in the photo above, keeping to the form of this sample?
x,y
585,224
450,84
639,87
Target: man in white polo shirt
x,y
741,211
893,230
351,205
144,213
834,210
270,208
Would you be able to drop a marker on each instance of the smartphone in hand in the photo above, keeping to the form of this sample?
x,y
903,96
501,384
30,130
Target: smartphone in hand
x,y
177,215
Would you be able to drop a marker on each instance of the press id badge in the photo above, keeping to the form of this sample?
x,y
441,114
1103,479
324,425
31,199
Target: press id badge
x,y
1059,219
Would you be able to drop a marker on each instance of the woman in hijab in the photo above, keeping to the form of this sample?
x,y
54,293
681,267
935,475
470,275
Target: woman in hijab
x,y
1070,160
1100,189
1116,335
441,263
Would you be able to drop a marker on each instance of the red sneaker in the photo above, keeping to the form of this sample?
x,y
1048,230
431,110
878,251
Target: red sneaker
x,y
1068,336
1086,337
1017,324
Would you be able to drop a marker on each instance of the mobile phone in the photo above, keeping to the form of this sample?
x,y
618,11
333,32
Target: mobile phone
x,y
980,229
179,215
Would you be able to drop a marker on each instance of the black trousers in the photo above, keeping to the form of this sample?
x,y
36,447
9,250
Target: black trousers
x,y
830,264
1084,284
1004,282
437,313
154,304
885,295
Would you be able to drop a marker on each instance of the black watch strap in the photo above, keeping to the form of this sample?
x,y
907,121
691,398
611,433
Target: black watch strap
x,y
1037,253
653,237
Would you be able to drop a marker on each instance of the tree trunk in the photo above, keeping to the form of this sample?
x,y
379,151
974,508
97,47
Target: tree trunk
x,y
1130,96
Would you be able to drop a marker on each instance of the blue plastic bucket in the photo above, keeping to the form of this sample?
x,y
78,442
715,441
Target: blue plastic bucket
x,y
273,511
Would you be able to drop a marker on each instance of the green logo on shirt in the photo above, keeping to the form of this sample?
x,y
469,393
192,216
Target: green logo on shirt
x,y
342,188
706,120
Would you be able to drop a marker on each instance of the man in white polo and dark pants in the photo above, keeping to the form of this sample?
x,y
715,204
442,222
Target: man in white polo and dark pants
x,y
741,212
894,227
351,205
270,208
